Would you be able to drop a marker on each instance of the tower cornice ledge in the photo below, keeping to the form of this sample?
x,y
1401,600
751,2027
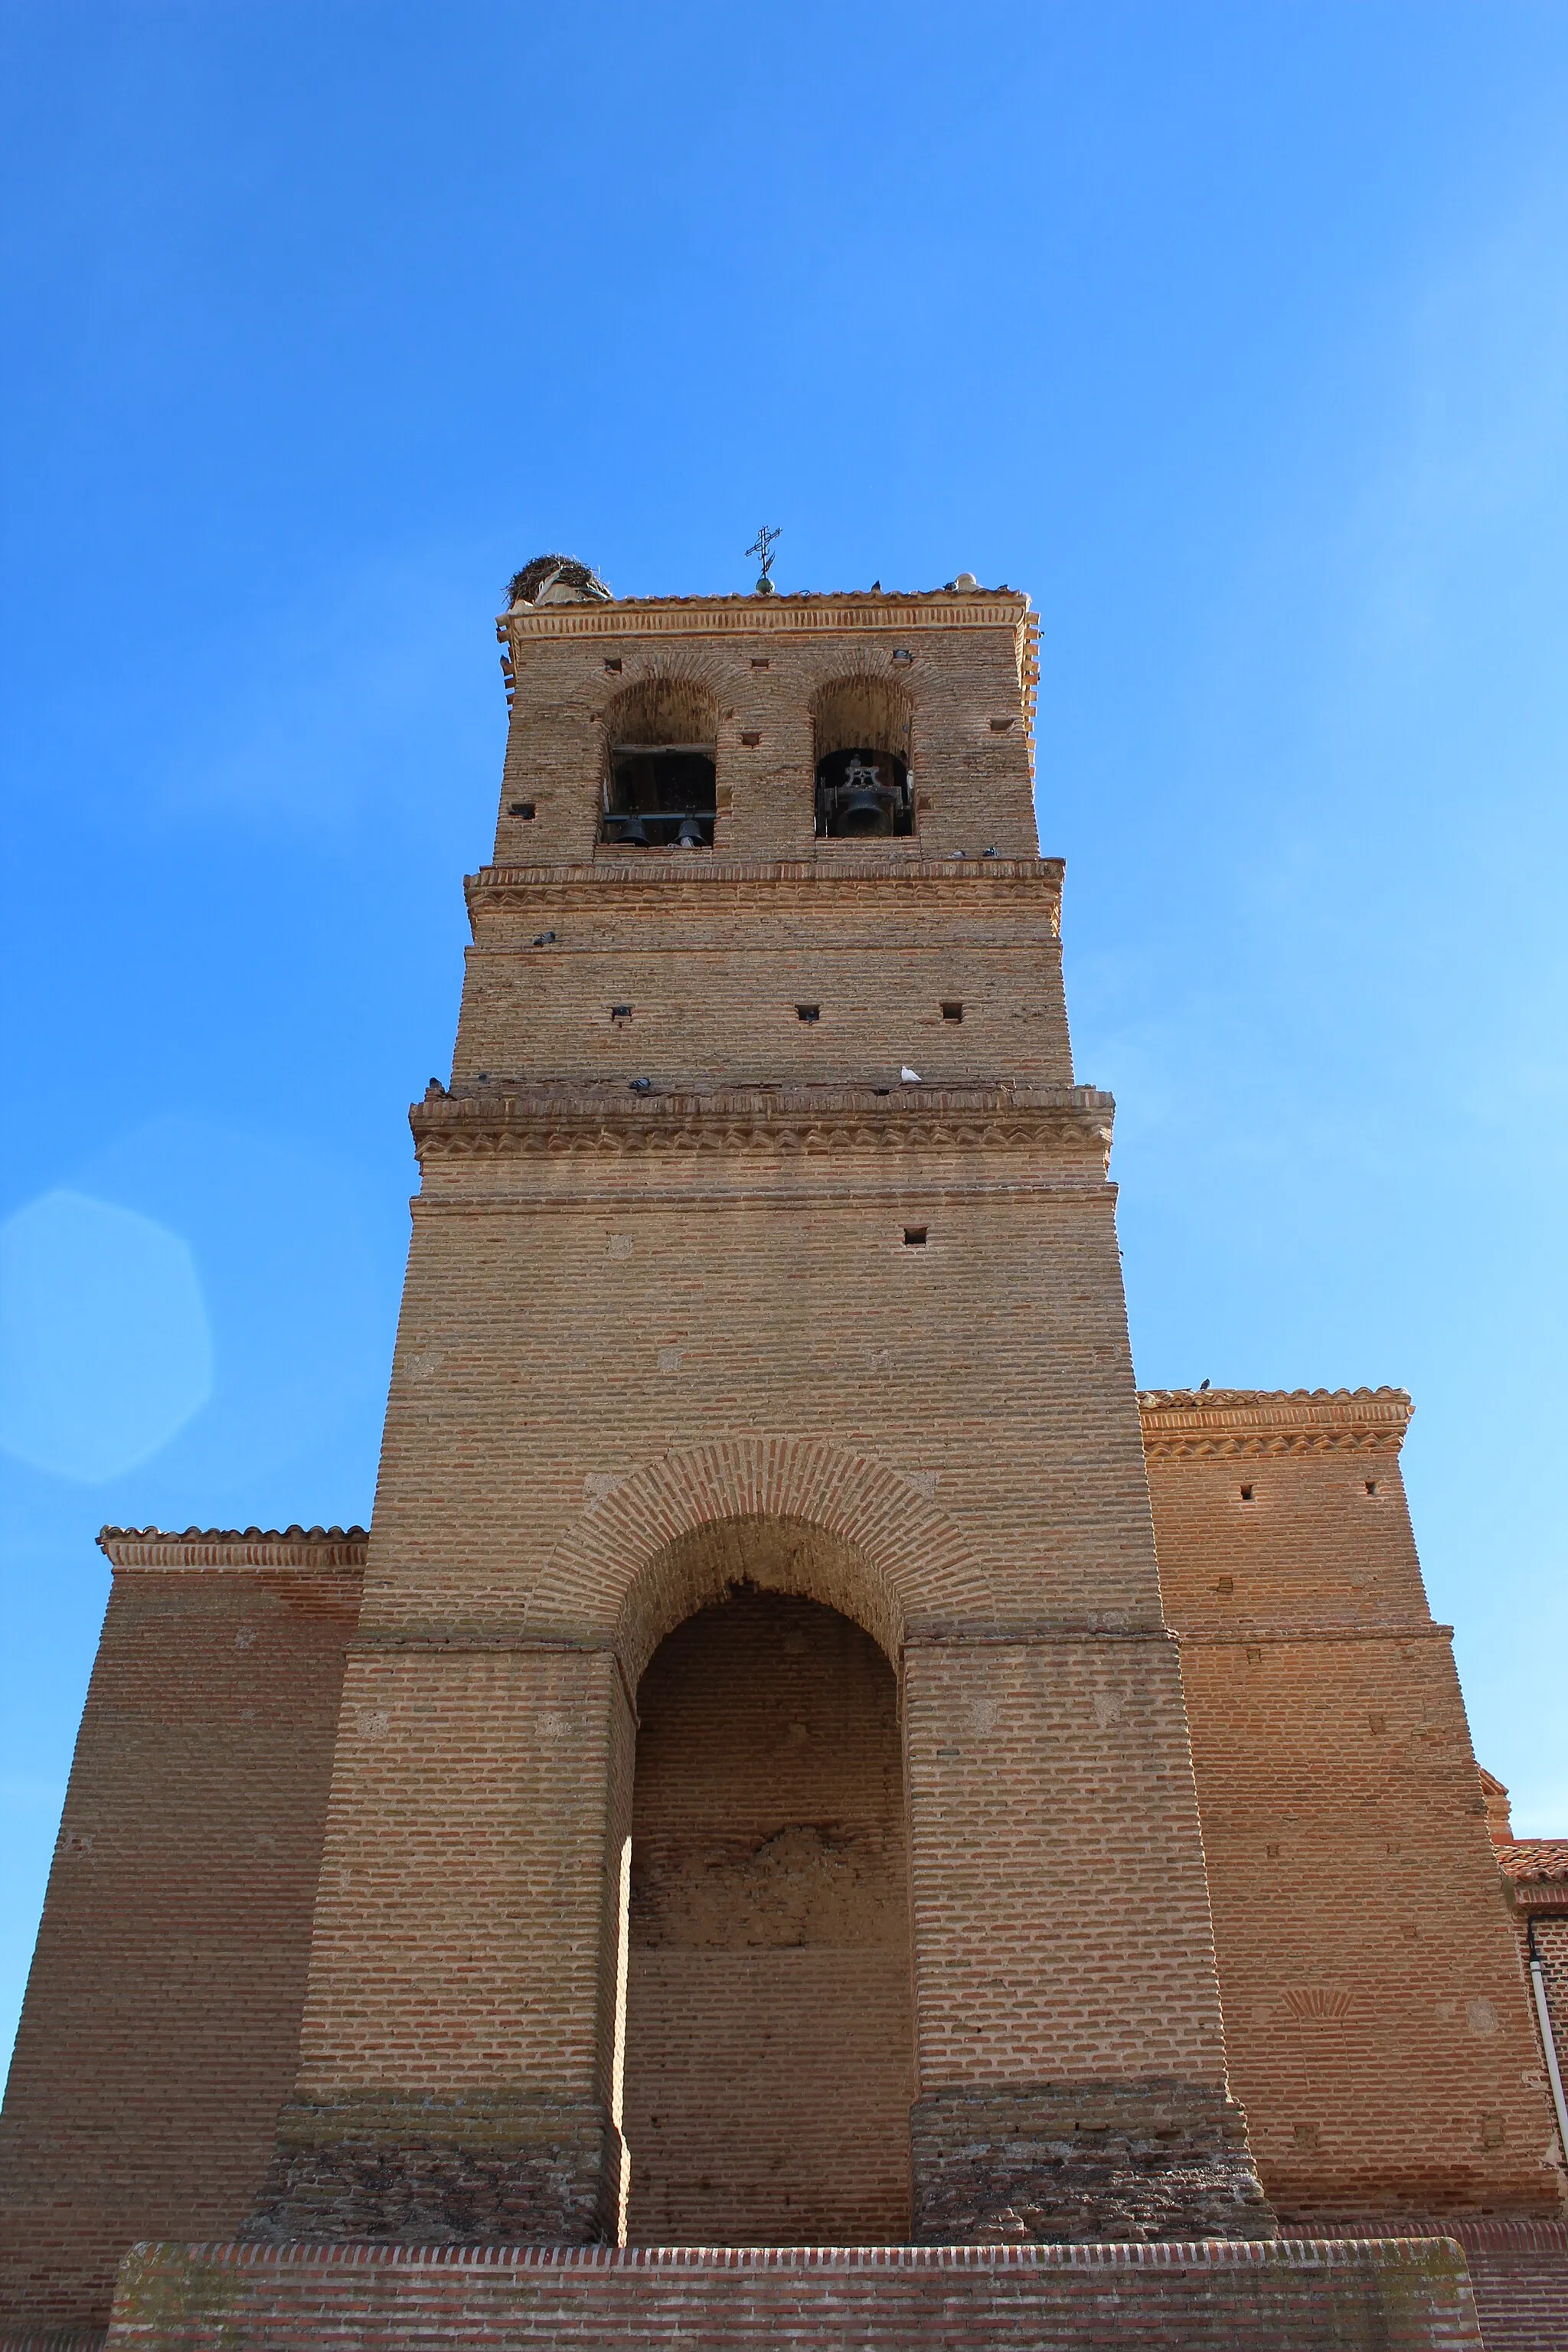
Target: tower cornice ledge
x,y
782,616
341,1550
539,1116
666,870
1280,1421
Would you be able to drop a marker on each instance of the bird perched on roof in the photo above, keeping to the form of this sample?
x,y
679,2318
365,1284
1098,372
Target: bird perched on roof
x,y
911,1078
1202,1385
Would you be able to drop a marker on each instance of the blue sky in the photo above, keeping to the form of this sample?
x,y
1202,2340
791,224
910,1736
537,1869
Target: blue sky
x,y
1236,334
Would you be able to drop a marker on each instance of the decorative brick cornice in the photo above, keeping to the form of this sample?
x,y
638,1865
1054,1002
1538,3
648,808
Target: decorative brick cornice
x,y
1183,1422
771,616
535,1117
317,1550
1535,1871
655,873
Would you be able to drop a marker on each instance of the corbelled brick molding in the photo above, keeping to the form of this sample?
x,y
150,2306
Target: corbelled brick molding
x,y
510,1117
1267,1420
311,1548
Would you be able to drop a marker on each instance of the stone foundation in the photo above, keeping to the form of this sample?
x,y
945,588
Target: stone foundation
x,y
1058,2163
1282,2296
489,2167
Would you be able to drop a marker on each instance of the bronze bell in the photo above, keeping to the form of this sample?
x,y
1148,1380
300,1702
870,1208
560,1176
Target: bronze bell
x,y
634,831
862,812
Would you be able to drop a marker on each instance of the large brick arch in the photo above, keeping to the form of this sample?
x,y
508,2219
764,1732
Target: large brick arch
x,y
801,1516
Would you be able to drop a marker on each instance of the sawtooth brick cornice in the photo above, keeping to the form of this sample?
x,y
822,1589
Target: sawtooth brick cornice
x,y
1254,1421
775,616
658,875
316,1550
525,1118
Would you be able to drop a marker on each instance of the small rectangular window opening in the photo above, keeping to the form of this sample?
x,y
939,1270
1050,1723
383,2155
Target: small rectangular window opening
x,y
752,739
520,808
902,654
762,664
915,1236
952,1012
808,1012
612,661
1224,1584
1371,1486
1000,726
620,1012
1246,1493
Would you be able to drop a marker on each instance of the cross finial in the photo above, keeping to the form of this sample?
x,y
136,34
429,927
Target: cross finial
x,y
762,547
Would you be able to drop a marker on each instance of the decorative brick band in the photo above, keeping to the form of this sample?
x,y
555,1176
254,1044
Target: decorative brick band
x,y
1180,1422
1400,2243
339,1550
761,879
1051,2161
1246,1633
526,1115
792,616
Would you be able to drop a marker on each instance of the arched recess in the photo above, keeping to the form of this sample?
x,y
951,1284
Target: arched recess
x,y
660,753
881,1551
862,728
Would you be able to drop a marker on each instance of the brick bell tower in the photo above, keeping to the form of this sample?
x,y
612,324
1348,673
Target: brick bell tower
x,y
762,1671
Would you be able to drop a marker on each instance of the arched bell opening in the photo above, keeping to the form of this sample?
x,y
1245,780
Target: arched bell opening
x,y
661,786
769,2051
861,730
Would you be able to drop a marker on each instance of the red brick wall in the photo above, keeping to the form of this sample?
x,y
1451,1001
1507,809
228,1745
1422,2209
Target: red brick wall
x,y
1375,2010
1398,2296
161,2028
770,2047
1519,2271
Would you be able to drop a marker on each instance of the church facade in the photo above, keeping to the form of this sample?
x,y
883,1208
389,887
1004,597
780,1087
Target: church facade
x,y
806,1756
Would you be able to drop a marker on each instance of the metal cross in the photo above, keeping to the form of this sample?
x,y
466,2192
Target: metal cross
x,y
762,547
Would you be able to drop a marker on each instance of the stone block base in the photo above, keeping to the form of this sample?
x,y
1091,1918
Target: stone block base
x,y
495,2167
1059,2163
1278,2296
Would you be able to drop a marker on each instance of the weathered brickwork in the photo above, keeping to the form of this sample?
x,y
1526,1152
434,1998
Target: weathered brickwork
x,y
1290,2296
1377,2015
755,1801
1517,2273
161,2024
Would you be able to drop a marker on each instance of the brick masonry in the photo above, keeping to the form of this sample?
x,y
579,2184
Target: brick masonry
x,y
161,2028
720,1330
1377,2017
1396,2296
